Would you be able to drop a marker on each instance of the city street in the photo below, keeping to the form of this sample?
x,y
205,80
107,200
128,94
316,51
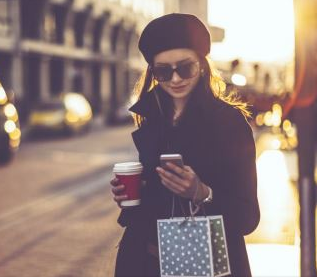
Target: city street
x,y
57,217
70,65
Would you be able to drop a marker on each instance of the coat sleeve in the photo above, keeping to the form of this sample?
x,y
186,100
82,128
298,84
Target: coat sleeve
x,y
234,182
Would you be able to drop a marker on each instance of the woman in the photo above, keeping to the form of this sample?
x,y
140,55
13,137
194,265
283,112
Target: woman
x,y
181,109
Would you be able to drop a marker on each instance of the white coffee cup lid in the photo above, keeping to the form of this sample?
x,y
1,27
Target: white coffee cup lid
x,y
128,167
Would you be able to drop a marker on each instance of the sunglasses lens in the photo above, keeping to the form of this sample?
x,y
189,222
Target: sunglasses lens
x,y
162,73
187,70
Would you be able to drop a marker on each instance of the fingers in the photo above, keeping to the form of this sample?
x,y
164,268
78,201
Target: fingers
x,y
173,171
118,194
118,190
173,182
175,187
114,182
119,198
188,169
169,175
176,191
183,173
182,180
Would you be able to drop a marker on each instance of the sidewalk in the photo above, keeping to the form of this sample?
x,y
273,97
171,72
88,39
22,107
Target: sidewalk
x,y
274,246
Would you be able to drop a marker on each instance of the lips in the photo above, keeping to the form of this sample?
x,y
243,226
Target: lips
x,y
178,88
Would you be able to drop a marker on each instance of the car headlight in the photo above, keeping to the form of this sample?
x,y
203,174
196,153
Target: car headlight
x,y
3,96
11,112
9,126
71,117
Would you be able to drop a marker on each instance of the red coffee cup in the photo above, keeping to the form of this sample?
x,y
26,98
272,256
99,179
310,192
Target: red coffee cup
x,y
129,174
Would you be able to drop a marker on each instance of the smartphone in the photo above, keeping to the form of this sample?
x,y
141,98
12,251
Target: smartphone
x,y
171,158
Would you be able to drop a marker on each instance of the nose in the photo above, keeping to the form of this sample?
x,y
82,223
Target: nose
x,y
176,78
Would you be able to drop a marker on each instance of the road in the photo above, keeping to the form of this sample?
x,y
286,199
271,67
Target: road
x,y
57,217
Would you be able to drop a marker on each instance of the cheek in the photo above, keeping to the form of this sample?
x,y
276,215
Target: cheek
x,y
195,81
164,86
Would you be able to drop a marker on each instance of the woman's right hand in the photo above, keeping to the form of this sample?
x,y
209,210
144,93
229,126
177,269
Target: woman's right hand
x,y
117,190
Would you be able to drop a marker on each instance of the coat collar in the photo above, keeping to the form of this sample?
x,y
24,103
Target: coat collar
x,y
147,106
202,103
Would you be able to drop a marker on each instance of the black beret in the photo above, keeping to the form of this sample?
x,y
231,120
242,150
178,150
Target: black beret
x,y
175,30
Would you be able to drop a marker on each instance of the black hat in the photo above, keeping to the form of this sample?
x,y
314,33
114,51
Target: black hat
x,y
175,30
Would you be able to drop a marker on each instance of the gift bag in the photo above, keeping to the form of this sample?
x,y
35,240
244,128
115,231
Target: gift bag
x,y
219,246
193,246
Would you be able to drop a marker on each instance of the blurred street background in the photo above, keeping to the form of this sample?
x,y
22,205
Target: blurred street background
x,y
67,68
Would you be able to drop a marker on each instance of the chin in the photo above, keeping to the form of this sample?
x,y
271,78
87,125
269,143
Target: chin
x,y
180,95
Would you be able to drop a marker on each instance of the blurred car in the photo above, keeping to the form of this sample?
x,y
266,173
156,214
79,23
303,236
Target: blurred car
x,y
69,113
10,133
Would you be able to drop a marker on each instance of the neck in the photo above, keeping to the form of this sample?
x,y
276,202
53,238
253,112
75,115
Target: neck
x,y
179,104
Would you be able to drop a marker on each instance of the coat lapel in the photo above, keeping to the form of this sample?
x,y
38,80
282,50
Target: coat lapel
x,y
147,137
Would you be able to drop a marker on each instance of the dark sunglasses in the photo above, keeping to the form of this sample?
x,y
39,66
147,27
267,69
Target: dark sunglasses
x,y
164,73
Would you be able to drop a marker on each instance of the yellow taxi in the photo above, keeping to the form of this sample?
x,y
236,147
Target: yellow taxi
x,y
70,112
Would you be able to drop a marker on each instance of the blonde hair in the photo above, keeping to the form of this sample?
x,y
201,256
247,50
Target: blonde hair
x,y
213,79
219,89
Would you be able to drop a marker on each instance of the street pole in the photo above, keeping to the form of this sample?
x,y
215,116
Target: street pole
x,y
306,157
307,223
305,115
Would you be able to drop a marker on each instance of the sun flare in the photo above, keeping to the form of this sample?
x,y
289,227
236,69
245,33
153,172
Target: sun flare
x,y
255,30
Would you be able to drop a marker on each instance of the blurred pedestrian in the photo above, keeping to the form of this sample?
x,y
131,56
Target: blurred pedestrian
x,y
234,66
266,83
182,108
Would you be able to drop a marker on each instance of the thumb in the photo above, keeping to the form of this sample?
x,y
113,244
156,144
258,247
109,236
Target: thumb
x,y
188,168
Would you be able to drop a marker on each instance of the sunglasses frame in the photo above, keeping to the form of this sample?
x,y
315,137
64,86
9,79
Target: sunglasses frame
x,y
175,69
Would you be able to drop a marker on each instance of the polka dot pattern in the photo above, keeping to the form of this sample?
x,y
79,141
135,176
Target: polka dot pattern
x,y
219,247
184,252
188,247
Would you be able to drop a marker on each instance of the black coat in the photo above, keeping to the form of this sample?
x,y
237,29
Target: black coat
x,y
215,139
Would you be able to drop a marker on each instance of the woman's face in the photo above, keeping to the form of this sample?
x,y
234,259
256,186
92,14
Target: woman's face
x,y
177,71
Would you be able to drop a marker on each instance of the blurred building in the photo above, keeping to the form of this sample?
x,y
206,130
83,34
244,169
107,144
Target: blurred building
x,y
86,46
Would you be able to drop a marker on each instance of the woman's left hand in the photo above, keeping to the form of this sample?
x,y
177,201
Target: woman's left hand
x,y
182,181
